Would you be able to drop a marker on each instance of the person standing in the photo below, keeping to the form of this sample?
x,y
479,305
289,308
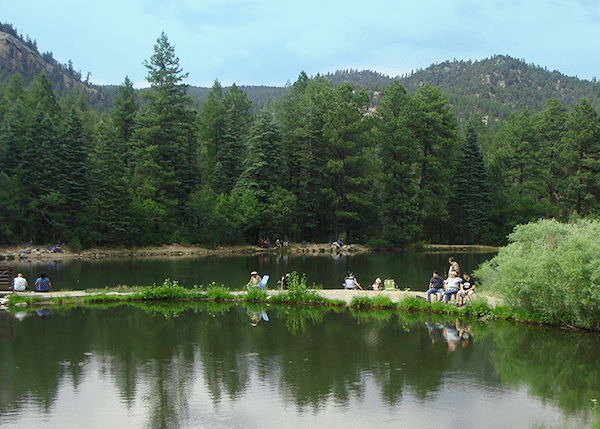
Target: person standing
x,y
20,283
454,267
43,284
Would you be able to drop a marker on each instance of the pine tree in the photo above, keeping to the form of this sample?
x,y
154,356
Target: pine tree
x,y
580,186
397,157
123,115
231,154
212,137
40,172
165,167
347,189
470,201
434,128
551,125
111,198
264,165
74,179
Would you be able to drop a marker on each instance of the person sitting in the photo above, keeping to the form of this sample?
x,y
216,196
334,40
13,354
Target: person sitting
x,y
467,289
254,280
350,282
42,284
20,283
452,285
377,285
284,281
436,285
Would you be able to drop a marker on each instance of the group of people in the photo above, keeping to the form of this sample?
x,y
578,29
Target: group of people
x,y
461,287
42,283
350,282
265,243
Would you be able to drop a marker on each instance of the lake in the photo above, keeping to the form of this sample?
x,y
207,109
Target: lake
x,y
410,270
210,365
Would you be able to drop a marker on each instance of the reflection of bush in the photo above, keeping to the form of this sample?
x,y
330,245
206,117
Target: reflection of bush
x,y
561,366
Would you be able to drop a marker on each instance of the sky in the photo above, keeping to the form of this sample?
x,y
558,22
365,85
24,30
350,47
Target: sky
x,y
270,42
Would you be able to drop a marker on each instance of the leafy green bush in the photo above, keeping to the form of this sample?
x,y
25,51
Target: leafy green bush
x,y
480,308
255,294
218,293
549,272
168,290
378,301
298,292
413,302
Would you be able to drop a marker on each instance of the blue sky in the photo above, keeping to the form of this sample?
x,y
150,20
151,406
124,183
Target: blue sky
x,y
269,42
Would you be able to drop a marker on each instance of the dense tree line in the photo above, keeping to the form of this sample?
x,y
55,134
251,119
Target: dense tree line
x,y
320,164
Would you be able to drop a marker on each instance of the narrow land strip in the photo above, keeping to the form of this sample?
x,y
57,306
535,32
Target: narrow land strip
x,y
330,294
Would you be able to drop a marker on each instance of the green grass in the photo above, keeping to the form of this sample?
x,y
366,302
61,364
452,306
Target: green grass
x,y
219,293
168,290
378,301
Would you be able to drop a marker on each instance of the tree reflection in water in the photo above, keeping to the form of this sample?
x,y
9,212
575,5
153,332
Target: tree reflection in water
x,y
163,358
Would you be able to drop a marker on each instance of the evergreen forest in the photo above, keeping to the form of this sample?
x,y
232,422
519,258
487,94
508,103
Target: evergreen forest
x,y
320,162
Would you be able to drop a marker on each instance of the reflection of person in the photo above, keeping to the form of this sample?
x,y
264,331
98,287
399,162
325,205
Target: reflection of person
x,y
257,317
350,282
20,283
377,285
42,284
436,285
435,331
452,337
254,279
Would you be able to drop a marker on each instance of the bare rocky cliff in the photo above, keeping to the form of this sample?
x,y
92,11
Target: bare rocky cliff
x,y
16,57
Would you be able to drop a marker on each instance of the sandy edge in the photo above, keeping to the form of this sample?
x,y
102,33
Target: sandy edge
x,y
177,250
173,250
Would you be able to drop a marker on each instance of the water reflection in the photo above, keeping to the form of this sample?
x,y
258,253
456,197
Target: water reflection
x,y
196,365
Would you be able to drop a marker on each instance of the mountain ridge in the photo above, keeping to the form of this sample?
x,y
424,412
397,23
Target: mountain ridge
x,y
492,88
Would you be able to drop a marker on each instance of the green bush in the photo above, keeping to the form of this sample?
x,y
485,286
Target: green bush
x,y
549,272
298,292
255,294
168,290
219,293
378,301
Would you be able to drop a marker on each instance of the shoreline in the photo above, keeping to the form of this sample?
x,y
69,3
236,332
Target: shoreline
x,y
8,254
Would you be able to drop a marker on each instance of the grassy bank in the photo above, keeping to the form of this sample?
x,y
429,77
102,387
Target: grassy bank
x,y
296,294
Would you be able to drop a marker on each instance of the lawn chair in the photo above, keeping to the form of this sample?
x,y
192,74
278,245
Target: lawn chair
x,y
389,284
262,284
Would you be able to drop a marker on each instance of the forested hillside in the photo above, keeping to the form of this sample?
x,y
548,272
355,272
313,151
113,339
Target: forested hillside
x,y
171,163
491,88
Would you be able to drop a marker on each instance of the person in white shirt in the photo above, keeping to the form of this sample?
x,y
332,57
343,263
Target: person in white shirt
x,y
452,286
20,283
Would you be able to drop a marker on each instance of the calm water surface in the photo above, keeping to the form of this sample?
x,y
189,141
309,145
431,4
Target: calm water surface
x,y
207,365
410,270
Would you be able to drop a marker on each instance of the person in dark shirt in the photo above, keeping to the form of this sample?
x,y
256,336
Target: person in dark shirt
x,y
42,284
436,285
